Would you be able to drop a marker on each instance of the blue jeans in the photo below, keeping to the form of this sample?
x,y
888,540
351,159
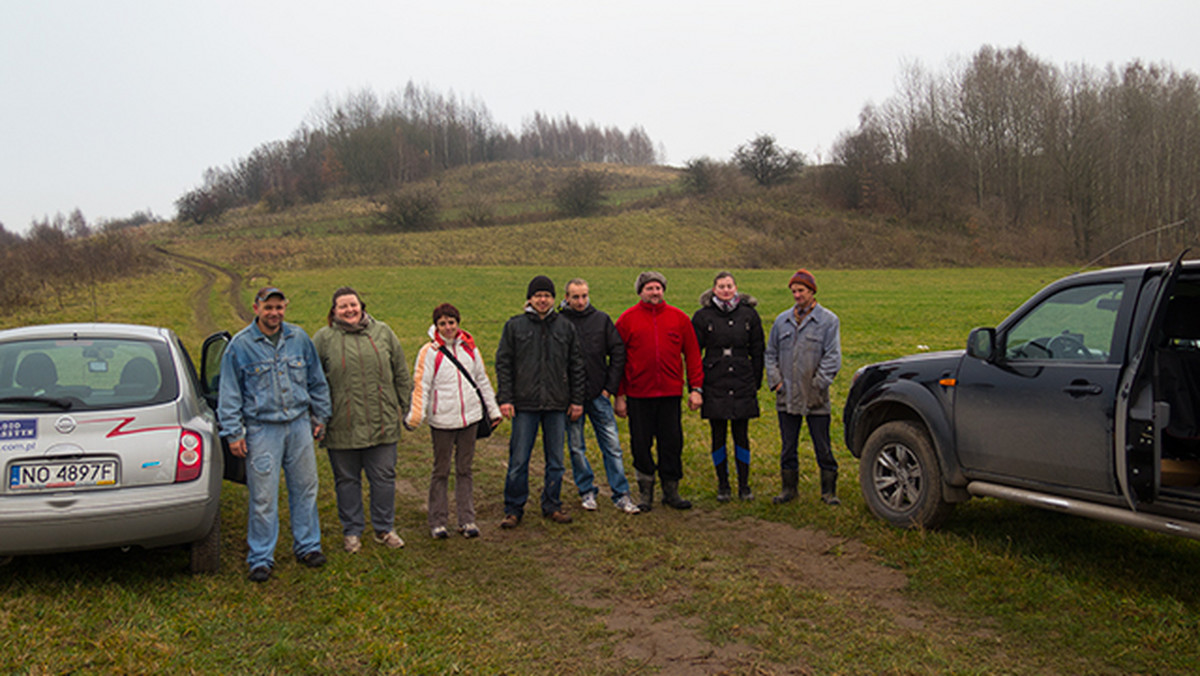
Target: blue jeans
x,y
520,446
604,424
270,448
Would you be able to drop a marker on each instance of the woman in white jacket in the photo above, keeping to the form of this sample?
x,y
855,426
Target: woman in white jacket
x,y
443,397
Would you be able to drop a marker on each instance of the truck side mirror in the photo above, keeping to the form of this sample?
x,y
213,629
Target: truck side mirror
x,y
981,344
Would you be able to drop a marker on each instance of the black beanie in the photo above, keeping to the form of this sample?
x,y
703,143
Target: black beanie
x,y
539,283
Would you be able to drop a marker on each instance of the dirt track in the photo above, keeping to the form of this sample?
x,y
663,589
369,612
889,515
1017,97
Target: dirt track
x,y
209,272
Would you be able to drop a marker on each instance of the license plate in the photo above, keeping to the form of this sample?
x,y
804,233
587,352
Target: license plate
x,y
59,475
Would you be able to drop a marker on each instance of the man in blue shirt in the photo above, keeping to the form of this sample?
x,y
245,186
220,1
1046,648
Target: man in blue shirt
x,y
274,401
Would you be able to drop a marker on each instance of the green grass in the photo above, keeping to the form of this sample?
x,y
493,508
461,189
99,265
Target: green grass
x,y
1000,589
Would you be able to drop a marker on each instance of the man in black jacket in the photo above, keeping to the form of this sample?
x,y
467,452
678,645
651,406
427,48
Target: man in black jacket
x,y
539,382
604,363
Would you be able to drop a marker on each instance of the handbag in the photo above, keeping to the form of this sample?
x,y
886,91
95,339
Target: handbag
x,y
483,428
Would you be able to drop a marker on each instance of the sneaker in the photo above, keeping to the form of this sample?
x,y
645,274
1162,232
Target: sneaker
x,y
389,539
260,574
469,530
439,533
510,521
559,517
589,502
625,504
352,544
313,559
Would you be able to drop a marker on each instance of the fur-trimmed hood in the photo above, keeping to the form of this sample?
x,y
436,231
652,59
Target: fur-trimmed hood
x,y
706,299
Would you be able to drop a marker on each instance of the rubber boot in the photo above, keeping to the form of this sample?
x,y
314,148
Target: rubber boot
x,y
790,479
743,473
723,493
829,487
671,496
646,488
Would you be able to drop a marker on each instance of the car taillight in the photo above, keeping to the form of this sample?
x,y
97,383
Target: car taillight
x,y
188,460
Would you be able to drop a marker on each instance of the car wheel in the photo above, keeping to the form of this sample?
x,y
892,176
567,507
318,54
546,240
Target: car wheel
x,y
206,552
901,478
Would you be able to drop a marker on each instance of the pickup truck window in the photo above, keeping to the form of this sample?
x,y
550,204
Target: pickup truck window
x,y
1075,324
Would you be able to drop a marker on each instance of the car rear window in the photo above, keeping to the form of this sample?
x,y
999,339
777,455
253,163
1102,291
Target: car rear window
x,y
82,374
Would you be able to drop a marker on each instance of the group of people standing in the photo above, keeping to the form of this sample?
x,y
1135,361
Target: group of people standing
x,y
350,388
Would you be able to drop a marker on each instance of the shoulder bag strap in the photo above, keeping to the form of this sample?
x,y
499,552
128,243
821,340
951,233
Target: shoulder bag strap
x,y
482,403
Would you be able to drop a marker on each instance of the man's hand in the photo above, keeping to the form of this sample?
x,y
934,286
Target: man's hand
x,y
619,406
318,431
507,411
695,401
574,411
238,448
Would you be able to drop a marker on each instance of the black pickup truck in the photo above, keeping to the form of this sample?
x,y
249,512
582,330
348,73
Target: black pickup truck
x,y
1086,400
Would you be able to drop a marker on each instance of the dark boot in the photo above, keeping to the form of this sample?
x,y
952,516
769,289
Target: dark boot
x,y
646,488
829,487
671,496
743,473
723,493
790,479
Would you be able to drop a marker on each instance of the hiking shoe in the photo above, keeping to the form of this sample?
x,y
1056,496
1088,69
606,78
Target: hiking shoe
x,y
352,544
589,502
558,517
439,533
314,559
389,539
260,574
510,521
723,494
469,530
625,504
745,494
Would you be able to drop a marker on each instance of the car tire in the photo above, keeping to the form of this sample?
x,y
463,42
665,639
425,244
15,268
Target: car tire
x,y
206,552
900,476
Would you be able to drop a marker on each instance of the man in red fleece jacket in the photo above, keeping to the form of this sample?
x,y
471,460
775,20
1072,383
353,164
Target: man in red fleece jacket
x,y
659,338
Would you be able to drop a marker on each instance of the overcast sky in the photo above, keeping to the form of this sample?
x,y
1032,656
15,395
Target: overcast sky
x,y
116,106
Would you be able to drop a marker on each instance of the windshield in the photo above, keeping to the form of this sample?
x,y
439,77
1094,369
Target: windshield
x,y
85,374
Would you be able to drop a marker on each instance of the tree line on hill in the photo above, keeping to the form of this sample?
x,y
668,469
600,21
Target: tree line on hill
x,y
360,145
1006,143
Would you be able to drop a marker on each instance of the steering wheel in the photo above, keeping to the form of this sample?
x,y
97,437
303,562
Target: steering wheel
x,y
1066,346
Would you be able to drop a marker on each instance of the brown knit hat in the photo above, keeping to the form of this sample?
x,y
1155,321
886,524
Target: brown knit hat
x,y
804,277
650,276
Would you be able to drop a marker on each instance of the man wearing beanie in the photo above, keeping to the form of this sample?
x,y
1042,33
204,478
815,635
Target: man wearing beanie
x,y
659,339
539,382
804,354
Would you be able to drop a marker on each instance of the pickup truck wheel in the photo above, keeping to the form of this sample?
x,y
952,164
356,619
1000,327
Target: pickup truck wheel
x,y
900,477
206,552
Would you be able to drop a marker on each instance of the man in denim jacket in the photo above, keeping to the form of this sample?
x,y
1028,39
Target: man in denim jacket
x,y
273,402
804,355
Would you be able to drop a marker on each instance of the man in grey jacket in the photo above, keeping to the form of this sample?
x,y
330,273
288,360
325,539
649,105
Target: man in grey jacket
x,y
804,355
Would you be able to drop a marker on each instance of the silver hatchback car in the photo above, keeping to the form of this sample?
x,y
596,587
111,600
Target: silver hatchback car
x,y
106,440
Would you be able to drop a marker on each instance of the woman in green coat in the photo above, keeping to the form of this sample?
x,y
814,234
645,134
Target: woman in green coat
x,y
370,387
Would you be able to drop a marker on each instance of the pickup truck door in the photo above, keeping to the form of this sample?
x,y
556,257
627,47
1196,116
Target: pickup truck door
x,y
1041,409
1141,415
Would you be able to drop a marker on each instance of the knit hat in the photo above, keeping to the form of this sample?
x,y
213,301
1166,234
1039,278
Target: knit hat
x,y
804,277
539,283
650,276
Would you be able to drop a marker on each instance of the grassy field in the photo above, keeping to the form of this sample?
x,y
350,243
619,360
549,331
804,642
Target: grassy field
x,y
739,588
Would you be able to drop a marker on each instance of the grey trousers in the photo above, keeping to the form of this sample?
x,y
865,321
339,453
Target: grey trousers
x,y
445,443
379,464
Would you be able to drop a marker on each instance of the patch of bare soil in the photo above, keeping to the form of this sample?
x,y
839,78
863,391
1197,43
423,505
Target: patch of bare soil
x,y
654,635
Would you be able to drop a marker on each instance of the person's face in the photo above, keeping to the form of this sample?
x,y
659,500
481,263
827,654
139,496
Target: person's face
x,y
725,288
802,295
577,297
269,314
347,308
652,293
542,301
447,327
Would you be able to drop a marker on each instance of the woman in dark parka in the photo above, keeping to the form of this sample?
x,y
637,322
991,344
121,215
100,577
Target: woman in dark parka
x,y
731,337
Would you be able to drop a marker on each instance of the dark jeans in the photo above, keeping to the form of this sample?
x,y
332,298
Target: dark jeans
x,y
741,439
520,446
789,434
656,419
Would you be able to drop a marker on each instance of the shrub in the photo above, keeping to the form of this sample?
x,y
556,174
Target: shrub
x,y
410,209
582,194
